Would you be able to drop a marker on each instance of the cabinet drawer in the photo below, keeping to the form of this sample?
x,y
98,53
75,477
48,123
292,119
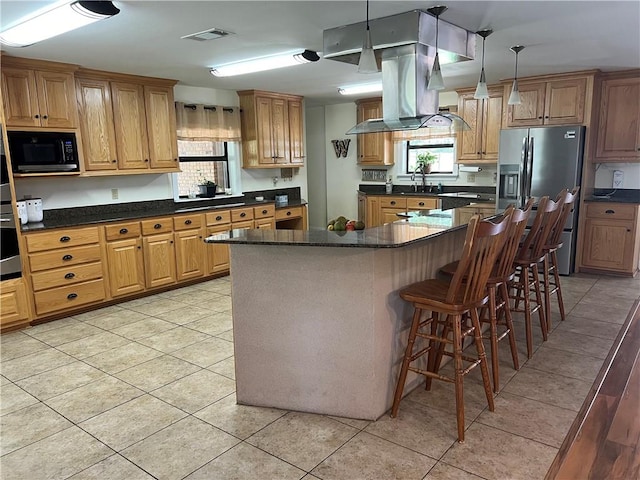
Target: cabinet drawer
x,y
159,225
264,211
122,230
242,214
71,296
242,225
284,213
66,276
64,257
218,218
617,211
393,202
187,222
37,242
422,203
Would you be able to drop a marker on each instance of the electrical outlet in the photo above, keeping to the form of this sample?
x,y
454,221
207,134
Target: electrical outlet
x,y
471,177
114,193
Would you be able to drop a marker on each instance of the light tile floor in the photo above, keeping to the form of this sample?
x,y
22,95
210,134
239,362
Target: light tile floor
x,y
145,389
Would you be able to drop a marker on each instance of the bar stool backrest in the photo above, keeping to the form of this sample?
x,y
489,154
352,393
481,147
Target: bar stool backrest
x,y
482,244
546,217
519,218
566,200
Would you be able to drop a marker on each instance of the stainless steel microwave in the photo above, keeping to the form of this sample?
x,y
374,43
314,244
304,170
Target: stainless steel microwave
x,y
44,152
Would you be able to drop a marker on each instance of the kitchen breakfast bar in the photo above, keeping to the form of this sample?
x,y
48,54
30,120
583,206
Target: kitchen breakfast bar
x,y
318,322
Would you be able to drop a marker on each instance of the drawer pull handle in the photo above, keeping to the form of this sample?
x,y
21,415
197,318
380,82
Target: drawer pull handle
x,y
610,211
218,218
69,276
65,239
67,257
187,222
421,204
157,226
288,213
393,202
243,214
123,231
264,212
71,296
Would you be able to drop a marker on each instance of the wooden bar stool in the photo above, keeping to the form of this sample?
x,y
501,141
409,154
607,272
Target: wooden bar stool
x,y
529,255
464,294
498,311
550,286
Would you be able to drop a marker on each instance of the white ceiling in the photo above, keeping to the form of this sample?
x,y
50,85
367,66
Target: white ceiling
x,y
144,39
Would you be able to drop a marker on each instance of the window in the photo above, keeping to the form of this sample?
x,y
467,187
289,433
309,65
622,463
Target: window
x,y
202,161
443,148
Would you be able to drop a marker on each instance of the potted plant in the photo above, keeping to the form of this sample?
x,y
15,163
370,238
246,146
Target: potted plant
x,y
424,161
210,188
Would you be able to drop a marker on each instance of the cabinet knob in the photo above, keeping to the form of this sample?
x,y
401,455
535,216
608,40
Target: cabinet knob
x,y
218,218
65,239
171,241
139,247
187,222
628,229
157,226
45,117
36,116
393,202
243,214
477,153
66,258
69,275
114,161
71,296
175,159
421,204
539,118
146,159
484,153
199,236
123,231
288,214
264,212
610,211
546,116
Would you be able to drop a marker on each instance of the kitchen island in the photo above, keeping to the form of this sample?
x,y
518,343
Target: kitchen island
x,y
318,323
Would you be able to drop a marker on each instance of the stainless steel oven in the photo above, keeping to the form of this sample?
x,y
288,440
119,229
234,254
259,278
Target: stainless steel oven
x,y
10,266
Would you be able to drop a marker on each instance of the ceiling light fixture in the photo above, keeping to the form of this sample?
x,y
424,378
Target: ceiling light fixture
x,y
367,62
481,88
269,62
51,22
514,98
435,79
359,89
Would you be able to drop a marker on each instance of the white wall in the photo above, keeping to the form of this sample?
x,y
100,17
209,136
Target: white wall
x,y
316,167
604,175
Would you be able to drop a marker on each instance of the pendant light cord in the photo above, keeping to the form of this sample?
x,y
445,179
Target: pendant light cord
x,y
483,40
516,76
437,22
367,14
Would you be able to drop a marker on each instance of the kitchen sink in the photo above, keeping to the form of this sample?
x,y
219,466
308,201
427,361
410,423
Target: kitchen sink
x,y
209,207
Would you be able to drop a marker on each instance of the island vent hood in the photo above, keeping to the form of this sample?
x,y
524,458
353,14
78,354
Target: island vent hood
x,y
404,46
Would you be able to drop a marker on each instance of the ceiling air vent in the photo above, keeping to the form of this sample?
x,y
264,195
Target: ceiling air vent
x,y
210,34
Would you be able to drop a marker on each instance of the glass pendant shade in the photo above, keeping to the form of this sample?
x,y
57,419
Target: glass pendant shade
x,y
514,98
435,79
367,63
481,88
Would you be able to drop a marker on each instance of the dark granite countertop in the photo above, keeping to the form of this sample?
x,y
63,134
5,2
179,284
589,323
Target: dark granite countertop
x,y
620,195
393,235
478,194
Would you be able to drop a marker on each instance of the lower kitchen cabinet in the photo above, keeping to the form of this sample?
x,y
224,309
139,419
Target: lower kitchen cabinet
x,y
190,254
372,212
14,310
464,214
291,218
218,253
125,266
159,260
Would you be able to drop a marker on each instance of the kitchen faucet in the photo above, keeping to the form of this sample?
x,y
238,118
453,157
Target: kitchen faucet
x,y
420,168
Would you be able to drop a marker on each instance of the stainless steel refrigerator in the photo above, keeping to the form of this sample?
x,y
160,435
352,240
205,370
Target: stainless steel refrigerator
x,y
539,161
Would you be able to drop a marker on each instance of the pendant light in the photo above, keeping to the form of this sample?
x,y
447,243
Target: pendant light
x,y
435,79
514,98
481,89
367,63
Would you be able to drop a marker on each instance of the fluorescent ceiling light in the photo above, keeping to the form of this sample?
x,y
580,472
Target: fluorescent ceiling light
x,y
63,17
261,64
362,88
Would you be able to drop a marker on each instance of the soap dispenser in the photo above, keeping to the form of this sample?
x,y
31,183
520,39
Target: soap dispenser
x,y
389,186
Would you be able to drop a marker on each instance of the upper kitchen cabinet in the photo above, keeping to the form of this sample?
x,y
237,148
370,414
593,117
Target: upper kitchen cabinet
x,y
480,144
551,100
38,94
272,129
127,123
374,149
619,118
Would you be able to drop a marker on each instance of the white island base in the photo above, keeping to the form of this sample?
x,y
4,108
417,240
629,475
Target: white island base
x,y
322,329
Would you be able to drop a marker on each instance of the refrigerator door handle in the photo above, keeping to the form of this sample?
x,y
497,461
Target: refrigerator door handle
x,y
523,172
530,168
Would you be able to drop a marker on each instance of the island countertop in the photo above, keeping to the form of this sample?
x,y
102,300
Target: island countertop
x,y
430,224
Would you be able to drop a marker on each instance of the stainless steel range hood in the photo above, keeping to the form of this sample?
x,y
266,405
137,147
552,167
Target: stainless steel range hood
x,y
404,47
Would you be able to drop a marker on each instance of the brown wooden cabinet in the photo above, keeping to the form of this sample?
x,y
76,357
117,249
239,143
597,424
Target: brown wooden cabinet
x,y
272,129
480,144
132,144
218,253
35,96
190,248
463,214
552,100
374,149
373,212
611,238
125,266
291,218
619,119
382,209
14,311
161,126
158,246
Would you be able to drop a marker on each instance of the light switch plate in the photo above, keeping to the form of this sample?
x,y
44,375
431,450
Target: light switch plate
x,y
618,179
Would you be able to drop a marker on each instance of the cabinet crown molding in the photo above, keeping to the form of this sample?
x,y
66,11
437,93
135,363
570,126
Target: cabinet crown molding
x,y
552,76
36,64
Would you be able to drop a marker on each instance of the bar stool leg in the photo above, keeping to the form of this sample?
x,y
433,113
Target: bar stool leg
x,y
431,359
547,291
459,374
445,333
509,320
556,277
524,280
493,337
483,358
405,362
541,316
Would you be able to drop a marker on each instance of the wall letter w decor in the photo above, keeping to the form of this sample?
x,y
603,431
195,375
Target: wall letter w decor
x,y
341,147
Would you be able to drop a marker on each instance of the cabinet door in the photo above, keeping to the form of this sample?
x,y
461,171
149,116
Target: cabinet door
x,y
619,127
13,303
362,207
20,97
491,125
463,215
218,253
130,125
265,223
190,254
161,126
125,266
390,215
57,99
373,212
531,111
280,130
159,260
372,146
96,124
564,102
296,131
470,142
266,149
608,245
